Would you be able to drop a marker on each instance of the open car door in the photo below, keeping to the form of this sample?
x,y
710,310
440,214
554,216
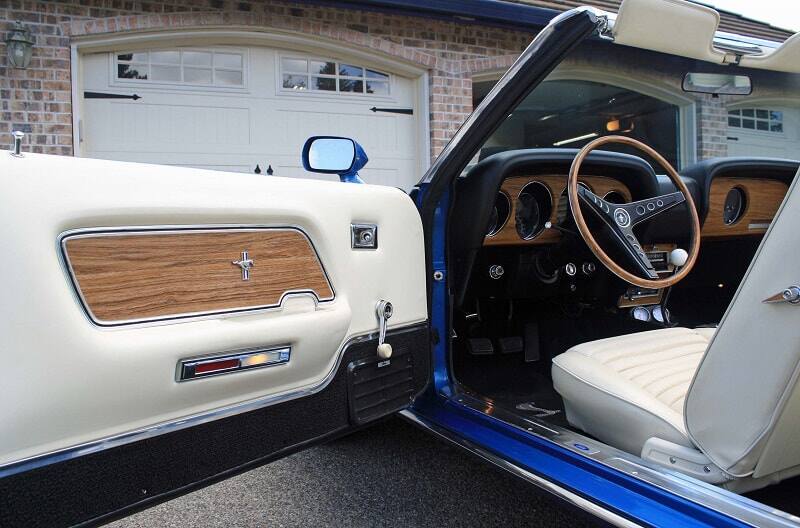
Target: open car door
x,y
163,328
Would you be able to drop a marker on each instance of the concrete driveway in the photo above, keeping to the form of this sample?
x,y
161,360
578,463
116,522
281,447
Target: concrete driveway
x,y
392,474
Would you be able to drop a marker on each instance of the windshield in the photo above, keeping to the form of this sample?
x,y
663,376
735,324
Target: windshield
x,y
603,89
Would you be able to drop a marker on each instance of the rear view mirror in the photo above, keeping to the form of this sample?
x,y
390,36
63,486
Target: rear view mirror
x,y
717,83
334,155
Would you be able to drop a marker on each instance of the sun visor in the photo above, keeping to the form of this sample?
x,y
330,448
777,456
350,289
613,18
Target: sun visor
x,y
786,58
676,27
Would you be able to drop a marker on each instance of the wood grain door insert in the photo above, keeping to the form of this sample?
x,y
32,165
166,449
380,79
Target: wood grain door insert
x,y
136,276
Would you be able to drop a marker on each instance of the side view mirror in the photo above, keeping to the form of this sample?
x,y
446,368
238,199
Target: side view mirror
x,y
335,155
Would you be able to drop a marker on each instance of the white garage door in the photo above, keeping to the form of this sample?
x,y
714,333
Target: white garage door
x,y
246,109
772,131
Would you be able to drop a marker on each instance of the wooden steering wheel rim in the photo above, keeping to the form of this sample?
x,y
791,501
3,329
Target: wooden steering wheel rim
x,y
619,271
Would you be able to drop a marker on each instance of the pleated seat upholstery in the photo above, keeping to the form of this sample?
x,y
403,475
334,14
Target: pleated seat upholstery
x,y
624,390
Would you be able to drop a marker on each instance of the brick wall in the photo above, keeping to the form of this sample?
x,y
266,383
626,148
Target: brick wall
x,y
38,99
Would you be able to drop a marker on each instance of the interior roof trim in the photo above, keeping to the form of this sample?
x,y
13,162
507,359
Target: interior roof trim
x,y
61,455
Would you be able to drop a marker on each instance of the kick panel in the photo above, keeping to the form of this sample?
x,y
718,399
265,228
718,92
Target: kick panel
x,y
136,276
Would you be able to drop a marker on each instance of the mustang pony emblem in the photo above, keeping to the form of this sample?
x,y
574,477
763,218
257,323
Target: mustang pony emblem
x,y
245,263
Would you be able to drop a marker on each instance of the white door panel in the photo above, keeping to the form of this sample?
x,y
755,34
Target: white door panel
x,y
73,382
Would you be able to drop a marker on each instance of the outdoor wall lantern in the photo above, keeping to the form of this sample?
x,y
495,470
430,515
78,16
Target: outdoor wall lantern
x,y
19,45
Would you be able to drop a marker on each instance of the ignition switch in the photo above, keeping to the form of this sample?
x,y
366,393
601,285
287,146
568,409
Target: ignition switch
x,y
496,271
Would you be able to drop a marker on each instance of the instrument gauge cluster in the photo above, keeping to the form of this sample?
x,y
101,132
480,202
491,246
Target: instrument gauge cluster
x,y
734,206
533,208
499,215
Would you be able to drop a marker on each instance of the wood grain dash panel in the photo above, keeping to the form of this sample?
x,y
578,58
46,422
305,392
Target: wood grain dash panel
x,y
140,276
763,198
555,183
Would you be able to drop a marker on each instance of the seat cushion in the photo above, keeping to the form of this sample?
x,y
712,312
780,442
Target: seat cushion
x,y
624,390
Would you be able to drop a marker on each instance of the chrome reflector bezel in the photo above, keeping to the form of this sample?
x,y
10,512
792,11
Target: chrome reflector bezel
x,y
196,368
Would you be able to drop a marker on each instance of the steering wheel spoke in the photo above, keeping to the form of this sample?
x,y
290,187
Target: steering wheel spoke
x,y
635,252
599,206
644,210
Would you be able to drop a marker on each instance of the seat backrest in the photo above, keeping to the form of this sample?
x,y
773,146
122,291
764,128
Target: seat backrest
x,y
743,406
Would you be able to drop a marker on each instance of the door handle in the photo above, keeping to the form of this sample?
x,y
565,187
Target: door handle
x,y
789,295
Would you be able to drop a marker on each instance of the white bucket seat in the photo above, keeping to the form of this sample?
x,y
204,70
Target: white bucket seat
x,y
723,406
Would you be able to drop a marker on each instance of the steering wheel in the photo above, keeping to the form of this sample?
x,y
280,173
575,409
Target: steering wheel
x,y
621,218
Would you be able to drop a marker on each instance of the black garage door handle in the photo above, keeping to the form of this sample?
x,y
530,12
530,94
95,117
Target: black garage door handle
x,y
102,95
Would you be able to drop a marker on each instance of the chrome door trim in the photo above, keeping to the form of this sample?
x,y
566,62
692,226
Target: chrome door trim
x,y
708,495
86,232
69,453
551,487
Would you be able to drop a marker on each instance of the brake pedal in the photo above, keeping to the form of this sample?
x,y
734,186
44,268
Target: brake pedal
x,y
510,345
480,346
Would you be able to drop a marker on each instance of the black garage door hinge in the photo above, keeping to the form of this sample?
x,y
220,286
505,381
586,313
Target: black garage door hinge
x,y
407,111
101,95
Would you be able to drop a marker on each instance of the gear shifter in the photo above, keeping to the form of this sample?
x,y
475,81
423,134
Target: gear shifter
x,y
678,257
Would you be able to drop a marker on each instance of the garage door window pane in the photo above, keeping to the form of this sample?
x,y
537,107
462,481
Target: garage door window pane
x,y
229,78
295,82
197,76
762,119
196,58
132,71
165,57
132,57
350,85
193,67
228,61
323,68
323,83
165,73
372,74
350,70
378,88
294,65
331,76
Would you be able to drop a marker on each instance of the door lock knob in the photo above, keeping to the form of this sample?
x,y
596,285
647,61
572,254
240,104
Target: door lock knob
x,y
384,311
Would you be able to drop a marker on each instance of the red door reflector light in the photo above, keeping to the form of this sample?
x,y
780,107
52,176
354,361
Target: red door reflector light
x,y
223,364
215,366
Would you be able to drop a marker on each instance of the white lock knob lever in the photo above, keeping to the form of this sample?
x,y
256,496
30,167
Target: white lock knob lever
x,y
384,311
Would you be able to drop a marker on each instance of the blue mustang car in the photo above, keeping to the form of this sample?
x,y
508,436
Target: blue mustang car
x,y
616,331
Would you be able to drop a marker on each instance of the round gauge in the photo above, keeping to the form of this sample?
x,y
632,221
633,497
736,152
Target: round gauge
x,y
734,206
499,215
563,205
640,313
534,206
614,197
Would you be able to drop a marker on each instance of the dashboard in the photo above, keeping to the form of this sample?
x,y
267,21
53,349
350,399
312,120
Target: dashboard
x,y
740,206
511,212
525,204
